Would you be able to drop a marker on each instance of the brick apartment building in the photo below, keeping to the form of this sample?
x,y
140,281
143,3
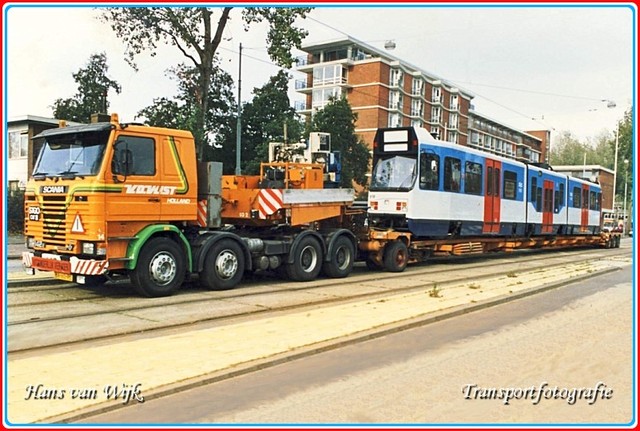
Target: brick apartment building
x,y
387,92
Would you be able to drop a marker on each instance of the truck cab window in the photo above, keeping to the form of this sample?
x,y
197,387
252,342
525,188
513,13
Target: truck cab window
x,y
134,155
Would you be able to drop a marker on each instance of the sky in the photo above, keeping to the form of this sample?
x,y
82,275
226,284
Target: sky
x,y
530,67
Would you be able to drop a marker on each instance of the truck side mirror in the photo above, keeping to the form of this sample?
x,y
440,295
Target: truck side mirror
x,y
122,161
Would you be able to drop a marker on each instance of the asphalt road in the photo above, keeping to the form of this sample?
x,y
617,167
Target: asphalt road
x,y
573,337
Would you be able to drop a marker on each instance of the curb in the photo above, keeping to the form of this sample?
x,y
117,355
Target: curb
x,y
328,345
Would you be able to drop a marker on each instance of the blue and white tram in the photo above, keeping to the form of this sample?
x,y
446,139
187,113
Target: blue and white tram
x,y
436,189
547,202
584,205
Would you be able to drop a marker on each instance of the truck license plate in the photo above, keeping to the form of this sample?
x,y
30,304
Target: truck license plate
x,y
62,276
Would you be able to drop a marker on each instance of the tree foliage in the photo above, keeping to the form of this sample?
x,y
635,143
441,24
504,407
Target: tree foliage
x,y
181,111
194,33
568,150
338,119
91,97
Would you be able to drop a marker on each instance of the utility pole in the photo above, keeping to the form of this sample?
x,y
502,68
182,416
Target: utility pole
x,y
238,122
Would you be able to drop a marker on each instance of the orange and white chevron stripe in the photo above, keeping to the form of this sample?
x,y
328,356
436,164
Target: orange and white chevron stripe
x,y
269,201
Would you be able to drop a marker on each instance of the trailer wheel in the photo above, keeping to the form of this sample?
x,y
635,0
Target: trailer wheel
x,y
340,262
161,268
223,266
307,260
396,256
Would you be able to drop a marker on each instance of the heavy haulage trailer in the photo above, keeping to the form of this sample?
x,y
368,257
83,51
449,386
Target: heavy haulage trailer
x,y
109,199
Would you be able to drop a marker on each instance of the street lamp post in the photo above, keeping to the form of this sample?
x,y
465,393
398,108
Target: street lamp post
x,y
615,167
624,208
239,121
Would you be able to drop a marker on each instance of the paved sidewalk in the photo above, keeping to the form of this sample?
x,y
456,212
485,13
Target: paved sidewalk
x,y
79,378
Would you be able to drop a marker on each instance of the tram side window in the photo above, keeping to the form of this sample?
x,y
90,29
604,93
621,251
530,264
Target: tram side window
x,y
429,171
509,187
451,174
559,199
576,197
593,201
536,194
473,178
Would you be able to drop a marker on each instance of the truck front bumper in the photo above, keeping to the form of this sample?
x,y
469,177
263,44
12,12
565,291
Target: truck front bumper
x,y
62,268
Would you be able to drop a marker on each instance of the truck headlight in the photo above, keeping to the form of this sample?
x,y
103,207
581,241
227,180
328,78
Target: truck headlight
x,y
98,249
31,242
88,248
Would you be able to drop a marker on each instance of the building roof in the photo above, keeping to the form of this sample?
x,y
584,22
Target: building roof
x,y
477,114
35,119
575,168
384,55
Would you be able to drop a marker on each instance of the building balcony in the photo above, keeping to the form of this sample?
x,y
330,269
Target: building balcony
x,y
304,64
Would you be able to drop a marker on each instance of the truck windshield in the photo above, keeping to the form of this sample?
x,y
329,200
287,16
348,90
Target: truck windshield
x,y
395,173
77,154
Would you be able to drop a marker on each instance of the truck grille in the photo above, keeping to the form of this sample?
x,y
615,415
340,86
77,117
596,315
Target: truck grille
x,y
53,219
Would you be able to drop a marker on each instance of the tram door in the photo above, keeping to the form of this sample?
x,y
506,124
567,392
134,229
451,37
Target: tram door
x,y
492,197
584,215
547,206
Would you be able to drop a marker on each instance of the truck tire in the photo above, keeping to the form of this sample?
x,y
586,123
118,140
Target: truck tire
x,y
307,260
396,256
340,262
223,266
161,268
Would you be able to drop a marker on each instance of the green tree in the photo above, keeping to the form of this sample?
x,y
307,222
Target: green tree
x,y
193,32
338,119
568,150
93,88
181,111
264,120
625,152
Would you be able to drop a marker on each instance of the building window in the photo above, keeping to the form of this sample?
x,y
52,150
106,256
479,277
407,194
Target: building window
x,y
321,96
18,145
453,103
395,78
436,115
453,121
395,100
436,95
416,123
328,75
435,132
416,108
395,120
452,137
417,87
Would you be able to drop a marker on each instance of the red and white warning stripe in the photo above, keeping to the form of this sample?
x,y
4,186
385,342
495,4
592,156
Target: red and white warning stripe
x,y
202,213
269,201
88,267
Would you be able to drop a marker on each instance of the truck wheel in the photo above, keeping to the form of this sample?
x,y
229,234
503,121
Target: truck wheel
x,y
161,268
307,260
223,266
396,256
341,259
